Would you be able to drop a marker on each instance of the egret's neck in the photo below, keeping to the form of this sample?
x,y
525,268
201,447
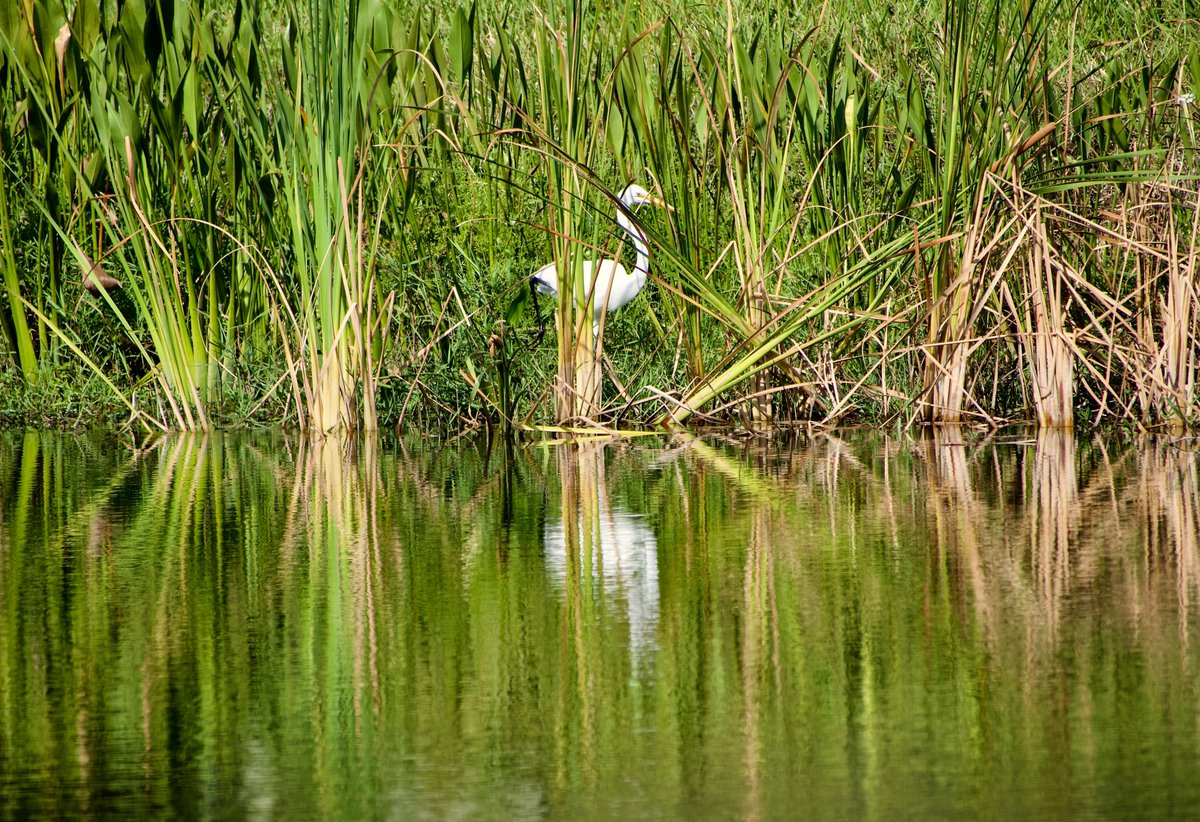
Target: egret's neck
x,y
642,266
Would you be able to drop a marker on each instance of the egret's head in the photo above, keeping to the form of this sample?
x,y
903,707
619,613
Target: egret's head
x,y
635,195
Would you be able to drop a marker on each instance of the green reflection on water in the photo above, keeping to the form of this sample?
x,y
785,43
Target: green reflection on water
x,y
856,628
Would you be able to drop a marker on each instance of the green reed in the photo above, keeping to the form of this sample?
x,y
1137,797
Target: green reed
x,y
994,224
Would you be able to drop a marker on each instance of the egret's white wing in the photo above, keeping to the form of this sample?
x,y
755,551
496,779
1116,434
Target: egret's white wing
x,y
545,279
612,284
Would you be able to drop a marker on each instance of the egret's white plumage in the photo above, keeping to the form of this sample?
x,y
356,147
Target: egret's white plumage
x,y
612,285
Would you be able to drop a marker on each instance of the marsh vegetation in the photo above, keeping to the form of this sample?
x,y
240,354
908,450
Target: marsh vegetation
x,y
325,214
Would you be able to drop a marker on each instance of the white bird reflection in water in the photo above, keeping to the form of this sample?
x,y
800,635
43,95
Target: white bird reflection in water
x,y
623,560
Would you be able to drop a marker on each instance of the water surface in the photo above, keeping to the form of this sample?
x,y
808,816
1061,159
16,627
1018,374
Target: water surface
x,y
848,627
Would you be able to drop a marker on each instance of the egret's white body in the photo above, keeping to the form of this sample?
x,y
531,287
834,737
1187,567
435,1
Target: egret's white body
x,y
612,285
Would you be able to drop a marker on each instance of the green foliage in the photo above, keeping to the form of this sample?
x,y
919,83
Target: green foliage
x,y
328,203
67,396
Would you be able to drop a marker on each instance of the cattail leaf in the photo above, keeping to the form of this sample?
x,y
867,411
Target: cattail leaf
x,y
159,27
85,24
191,102
462,45
49,17
616,130
94,171
133,39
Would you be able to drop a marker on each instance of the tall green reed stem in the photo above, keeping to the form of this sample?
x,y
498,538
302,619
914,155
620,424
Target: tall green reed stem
x,y
324,143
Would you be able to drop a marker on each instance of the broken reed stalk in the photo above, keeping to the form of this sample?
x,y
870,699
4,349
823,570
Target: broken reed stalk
x,y
1180,335
1051,372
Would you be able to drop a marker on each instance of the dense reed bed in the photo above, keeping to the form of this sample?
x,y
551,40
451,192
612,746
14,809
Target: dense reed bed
x,y
325,214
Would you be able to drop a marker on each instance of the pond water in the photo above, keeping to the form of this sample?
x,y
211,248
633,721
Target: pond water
x,y
846,627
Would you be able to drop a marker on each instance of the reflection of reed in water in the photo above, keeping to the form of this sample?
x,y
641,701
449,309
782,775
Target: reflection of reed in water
x,y
1043,539
618,547
341,518
1053,510
1000,555
1169,499
946,449
957,519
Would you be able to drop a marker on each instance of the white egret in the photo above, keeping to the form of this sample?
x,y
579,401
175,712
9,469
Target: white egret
x,y
611,286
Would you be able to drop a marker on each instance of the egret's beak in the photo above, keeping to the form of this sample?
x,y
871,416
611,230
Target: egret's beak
x,y
652,200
